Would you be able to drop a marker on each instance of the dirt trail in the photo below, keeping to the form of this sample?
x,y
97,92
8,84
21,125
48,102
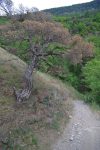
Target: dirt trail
x,y
82,132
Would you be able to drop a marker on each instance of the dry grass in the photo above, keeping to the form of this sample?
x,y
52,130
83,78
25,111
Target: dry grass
x,y
33,124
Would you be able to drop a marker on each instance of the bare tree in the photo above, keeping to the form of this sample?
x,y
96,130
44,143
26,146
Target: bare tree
x,y
34,9
39,36
23,12
6,6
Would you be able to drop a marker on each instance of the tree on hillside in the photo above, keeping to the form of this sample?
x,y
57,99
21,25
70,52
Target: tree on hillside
x,y
40,37
6,6
43,39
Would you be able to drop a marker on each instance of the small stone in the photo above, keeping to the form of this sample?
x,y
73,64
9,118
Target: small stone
x,y
58,133
78,123
79,133
71,139
70,117
75,124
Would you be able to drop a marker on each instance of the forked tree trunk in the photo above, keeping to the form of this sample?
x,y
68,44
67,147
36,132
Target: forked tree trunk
x,y
24,94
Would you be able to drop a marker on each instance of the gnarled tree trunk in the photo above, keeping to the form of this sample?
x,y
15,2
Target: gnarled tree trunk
x,y
37,53
24,94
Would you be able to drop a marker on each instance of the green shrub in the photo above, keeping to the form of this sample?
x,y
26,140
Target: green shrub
x,y
3,20
91,74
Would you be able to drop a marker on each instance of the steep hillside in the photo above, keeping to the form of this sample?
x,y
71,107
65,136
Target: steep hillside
x,y
87,25
93,5
33,124
84,24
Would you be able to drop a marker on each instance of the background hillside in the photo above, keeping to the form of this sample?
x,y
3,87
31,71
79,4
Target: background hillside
x,y
86,24
90,6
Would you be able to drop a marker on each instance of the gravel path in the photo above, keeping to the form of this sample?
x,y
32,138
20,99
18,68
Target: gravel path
x,y
82,132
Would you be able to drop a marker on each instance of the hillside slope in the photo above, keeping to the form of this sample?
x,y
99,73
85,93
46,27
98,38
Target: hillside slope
x,y
33,124
93,5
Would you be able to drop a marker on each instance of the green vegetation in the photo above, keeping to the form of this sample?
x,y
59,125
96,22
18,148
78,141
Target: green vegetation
x,y
27,126
70,69
81,23
86,77
78,8
91,73
3,20
19,139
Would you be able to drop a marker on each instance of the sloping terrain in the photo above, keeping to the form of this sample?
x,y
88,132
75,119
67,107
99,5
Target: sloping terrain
x,y
89,6
33,124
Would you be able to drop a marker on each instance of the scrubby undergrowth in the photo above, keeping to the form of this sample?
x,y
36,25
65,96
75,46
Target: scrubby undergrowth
x,y
33,124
